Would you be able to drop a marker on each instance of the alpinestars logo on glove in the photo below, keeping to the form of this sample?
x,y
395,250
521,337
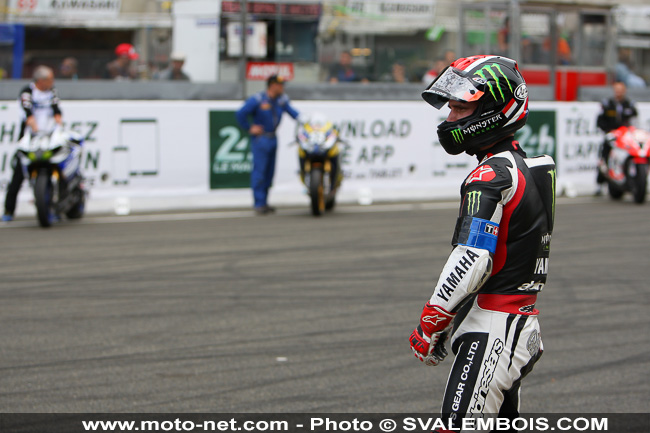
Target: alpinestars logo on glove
x,y
434,320
484,173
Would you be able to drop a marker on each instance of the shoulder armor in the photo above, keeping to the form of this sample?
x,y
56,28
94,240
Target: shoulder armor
x,y
494,172
539,161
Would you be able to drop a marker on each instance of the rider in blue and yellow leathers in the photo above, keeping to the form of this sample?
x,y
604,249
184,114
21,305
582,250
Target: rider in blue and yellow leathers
x,y
266,109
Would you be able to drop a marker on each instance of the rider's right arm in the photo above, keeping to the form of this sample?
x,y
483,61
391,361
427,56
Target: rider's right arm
x,y
485,192
601,121
26,101
466,270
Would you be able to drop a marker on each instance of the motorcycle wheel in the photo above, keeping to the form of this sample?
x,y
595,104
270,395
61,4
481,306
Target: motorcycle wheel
x,y
77,211
316,192
329,204
615,191
640,183
43,198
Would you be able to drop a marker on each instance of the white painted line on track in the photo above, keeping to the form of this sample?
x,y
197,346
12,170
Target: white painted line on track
x,y
224,214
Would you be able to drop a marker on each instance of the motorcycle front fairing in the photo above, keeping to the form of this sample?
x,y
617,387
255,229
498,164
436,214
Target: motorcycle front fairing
x,y
627,143
317,146
616,169
635,142
642,151
317,143
59,153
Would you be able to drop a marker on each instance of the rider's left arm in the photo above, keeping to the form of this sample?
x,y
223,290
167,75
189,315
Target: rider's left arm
x,y
289,108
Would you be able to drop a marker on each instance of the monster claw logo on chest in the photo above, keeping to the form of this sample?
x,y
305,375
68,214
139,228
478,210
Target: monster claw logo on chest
x,y
484,173
473,202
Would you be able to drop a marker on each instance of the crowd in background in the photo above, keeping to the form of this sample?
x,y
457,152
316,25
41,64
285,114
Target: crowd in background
x,y
127,65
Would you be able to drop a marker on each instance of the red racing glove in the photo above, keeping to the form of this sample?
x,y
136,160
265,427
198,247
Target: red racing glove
x,y
428,339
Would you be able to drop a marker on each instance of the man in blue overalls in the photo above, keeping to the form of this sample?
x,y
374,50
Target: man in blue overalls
x,y
266,109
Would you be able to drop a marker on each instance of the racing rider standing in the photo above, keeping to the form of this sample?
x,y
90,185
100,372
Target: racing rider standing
x,y
40,112
266,109
485,296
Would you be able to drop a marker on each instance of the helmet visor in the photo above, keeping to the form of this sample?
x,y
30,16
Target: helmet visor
x,y
452,84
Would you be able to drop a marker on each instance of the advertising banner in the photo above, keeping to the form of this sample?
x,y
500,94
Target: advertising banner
x,y
66,8
390,151
231,159
263,70
300,8
372,16
131,148
581,140
538,136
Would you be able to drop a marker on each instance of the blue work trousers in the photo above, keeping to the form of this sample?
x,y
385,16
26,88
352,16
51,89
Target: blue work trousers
x,y
264,149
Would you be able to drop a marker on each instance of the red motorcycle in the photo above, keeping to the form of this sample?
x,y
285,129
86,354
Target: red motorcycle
x,y
627,165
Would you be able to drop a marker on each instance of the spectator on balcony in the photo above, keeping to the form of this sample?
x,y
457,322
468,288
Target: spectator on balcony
x,y
503,37
175,69
398,73
624,71
122,68
563,49
68,69
343,71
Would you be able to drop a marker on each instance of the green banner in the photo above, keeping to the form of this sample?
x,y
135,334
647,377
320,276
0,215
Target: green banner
x,y
231,160
538,136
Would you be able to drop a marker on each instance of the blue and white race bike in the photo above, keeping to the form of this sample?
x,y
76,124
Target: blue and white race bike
x,y
52,164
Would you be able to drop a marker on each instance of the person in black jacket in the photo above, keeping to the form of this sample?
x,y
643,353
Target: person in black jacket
x,y
40,112
615,112
485,296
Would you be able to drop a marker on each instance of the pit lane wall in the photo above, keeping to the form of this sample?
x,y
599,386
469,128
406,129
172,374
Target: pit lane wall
x,y
153,155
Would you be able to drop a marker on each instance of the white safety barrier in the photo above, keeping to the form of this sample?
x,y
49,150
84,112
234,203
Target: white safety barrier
x,y
153,155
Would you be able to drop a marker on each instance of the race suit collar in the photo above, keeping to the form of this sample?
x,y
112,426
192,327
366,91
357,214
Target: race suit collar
x,y
507,144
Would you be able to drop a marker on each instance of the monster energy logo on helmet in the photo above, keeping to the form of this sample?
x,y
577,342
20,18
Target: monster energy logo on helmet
x,y
458,135
494,70
473,202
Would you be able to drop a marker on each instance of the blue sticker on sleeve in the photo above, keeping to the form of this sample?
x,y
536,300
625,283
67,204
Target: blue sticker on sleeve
x,y
481,234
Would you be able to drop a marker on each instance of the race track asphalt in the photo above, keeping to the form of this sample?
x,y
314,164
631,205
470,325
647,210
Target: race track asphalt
x,y
223,311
